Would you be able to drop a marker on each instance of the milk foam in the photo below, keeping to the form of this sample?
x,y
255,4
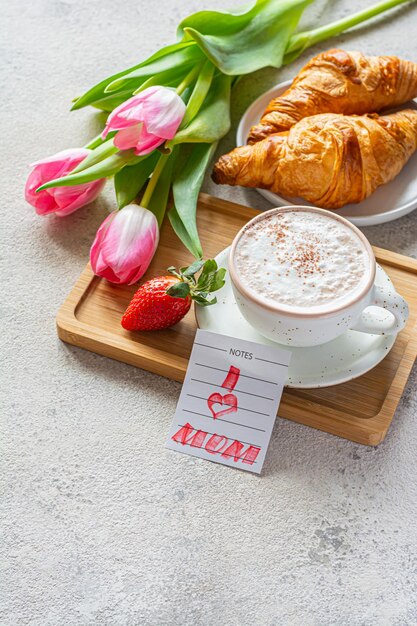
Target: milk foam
x,y
302,259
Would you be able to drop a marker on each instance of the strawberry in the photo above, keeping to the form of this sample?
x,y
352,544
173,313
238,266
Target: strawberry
x,y
163,301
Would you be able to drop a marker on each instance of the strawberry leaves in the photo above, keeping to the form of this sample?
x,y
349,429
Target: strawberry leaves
x,y
211,279
179,290
193,268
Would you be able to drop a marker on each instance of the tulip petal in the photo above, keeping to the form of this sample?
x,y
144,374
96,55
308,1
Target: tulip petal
x,y
147,143
125,244
70,156
159,110
45,204
125,115
75,198
140,272
60,200
96,258
163,113
128,137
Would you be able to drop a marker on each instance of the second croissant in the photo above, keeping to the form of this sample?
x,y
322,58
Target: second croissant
x,y
329,159
337,81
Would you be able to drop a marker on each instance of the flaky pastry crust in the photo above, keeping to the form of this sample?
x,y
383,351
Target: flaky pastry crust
x,y
337,81
329,160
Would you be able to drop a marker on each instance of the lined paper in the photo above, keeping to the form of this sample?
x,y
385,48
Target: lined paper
x,y
229,400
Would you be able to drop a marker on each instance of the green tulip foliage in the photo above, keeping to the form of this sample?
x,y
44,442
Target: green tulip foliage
x,y
213,49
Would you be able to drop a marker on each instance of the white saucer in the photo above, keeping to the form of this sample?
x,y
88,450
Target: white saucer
x,y
389,202
347,357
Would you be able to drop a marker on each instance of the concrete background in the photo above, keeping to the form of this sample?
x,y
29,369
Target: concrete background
x,y
102,525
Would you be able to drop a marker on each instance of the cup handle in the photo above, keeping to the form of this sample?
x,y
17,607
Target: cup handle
x,y
374,318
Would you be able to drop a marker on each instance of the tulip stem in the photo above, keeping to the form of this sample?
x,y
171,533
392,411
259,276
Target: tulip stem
x,y
301,41
146,198
94,143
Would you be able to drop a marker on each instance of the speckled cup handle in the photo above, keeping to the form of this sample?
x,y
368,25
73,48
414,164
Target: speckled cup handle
x,y
374,319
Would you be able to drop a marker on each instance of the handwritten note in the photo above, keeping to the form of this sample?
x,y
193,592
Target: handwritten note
x,y
229,400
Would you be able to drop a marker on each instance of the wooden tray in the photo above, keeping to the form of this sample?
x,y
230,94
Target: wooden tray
x,y
360,410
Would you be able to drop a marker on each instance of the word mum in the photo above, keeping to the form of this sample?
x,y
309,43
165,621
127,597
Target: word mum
x,y
216,444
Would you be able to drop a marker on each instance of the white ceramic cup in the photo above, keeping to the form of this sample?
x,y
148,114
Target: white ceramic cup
x,y
308,328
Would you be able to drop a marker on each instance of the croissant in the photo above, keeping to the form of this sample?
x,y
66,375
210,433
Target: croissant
x,y
329,160
339,82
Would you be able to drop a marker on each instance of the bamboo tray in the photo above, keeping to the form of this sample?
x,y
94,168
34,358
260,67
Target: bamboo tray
x,y
360,410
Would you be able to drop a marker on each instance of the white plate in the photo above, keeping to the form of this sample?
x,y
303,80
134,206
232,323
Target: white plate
x,y
389,202
347,357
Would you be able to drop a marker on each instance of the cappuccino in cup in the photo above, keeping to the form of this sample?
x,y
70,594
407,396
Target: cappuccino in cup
x,y
302,276
302,259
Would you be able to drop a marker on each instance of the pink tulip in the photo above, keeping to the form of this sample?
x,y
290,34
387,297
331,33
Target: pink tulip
x,y
125,244
60,200
145,121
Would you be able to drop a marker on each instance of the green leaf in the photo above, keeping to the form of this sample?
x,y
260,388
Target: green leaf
x,y
181,56
130,180
202,300
107,167
169,78
182,234
245,40
159,198
209,267
211,278
218,280
179,290
193,268
213,120
186,187
104,150
98,93
110,102
199,93
207,275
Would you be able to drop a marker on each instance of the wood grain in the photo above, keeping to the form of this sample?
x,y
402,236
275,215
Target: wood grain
x,y
360,410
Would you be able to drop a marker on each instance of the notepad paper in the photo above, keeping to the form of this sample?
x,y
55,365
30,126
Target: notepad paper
x,y
229,400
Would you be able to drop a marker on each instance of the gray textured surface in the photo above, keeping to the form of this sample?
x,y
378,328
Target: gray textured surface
x,y
103,526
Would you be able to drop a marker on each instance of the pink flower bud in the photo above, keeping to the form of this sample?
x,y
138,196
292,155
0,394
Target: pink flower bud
x,y
125,244
60,200
145,121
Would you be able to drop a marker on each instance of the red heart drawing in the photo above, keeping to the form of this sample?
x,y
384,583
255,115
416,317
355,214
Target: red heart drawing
x,y
229,399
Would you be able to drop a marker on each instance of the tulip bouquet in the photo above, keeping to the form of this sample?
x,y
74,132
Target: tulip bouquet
x,y
166,116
